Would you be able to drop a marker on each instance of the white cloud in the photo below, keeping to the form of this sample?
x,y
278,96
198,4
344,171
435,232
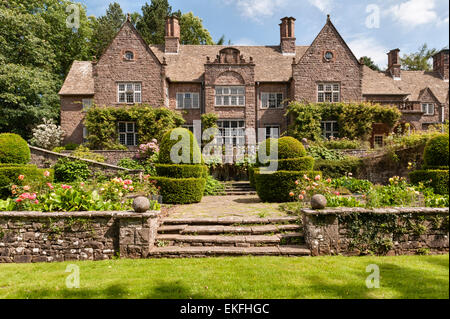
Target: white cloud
x,y
245,42
414,12
323,5
257,9
367,46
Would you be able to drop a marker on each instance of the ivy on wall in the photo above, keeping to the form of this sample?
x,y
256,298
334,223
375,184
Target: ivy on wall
x,y
355,119
101,122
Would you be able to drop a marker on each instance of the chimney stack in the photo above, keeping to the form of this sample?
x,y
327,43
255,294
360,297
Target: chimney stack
x,y
440,63
172,38
394,64
287,36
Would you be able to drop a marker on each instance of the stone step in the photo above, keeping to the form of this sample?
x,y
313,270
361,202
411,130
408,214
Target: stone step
x,y
242,230
187,252
239,193
238,241
229,221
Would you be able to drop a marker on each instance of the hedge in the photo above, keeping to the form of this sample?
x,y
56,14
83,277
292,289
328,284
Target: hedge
x,y
338,168
296,164
181,171
181,190
439,179
251,176
275,188
9,176
195,155
436,152
288,147
14,149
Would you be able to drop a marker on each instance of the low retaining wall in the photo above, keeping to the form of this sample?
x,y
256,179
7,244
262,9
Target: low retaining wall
x,y
357,231
112,157
48,237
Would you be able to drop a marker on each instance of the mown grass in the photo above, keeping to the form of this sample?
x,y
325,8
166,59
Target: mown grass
x,y
248,277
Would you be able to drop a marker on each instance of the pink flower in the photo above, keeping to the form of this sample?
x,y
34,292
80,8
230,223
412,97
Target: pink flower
x,y
303,193
21,177
337,193
128,182
66,186
301,197
26,188
18,200
36,202
82,184
291,194
317,178
329,180
32,196
131,188
296,182
50,186
125,186
14,187
46,173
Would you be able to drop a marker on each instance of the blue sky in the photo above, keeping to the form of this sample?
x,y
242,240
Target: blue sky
x,y
370,27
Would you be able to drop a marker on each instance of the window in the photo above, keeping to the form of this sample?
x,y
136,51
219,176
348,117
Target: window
x,y
272,131
428,108
329,129
129,56
188,100
230,96
379,140
329,55
232,132
130,93
127,133
87,103
271,100
85,134
328,92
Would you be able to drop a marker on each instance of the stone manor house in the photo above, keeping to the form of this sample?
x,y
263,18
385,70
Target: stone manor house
x,y
246,86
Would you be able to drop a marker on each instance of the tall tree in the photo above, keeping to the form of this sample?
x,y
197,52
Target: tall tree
x,y
420,60
152,24
192,30
369,62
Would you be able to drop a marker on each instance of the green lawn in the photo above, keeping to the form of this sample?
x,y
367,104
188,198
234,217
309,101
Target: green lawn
x,y
252,277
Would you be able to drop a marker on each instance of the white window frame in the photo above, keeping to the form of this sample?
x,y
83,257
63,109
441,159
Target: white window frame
x,y
331,89
375,144
229,133
85,134
127,90
87,104
130,128
271,135
230,94
333,132
185,96
426,107
268,97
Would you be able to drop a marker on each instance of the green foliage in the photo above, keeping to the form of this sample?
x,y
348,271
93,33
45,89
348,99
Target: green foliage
x,y
181,190
182,171
192,31
433,200
436,152
67,170
418,61
343,144
296,164
152,24
213,187
318,151
183,144
152,123
343,201
276,187
13,149
338,168
437,179
354,185
396,194
288,148
355,119
370,63
9,175
84,153
130,164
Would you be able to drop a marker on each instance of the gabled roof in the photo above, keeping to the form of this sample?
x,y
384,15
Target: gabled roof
x,y
412,83
189,64
80,80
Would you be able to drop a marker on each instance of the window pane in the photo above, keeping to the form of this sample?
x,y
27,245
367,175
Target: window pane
x,y
180,100
234,100
130,127
122,87
279,100
219,90
320,87
328,88
241,91
187,101
226,90
122,139
195,101
321,97
241,100
226,100
137,97
130,139
431,109
122,127
234,90
328,97
336,87
130,98
265,100
129,87
335,97
219,100
137,87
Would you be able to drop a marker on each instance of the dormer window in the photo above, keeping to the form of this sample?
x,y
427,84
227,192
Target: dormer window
x,y
129,56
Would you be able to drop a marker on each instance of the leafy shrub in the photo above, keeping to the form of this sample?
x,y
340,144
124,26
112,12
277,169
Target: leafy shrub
x,y
213,187
9,175
47,135
343,201
318,151
251,175
68,171
436,152
14,149
181,190
181,171
343,144
441,201
338,168
396,194
288,147
85,153
437,179
191,145
277,186
296,164
130,164
353,185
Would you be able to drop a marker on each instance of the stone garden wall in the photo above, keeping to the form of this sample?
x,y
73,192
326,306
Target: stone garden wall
x,y
358,231
49,237
112,157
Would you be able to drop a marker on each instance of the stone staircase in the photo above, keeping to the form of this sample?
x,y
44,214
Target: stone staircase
x,y
238,188
229,237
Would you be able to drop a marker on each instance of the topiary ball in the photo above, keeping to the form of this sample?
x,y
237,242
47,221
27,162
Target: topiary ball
x,y
288,148
14,149
184,141
437,151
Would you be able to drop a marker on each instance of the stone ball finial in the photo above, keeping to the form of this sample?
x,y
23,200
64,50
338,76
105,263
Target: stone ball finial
x,y
318,202
141,204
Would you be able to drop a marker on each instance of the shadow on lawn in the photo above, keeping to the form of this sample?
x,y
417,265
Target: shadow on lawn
x,y
253,200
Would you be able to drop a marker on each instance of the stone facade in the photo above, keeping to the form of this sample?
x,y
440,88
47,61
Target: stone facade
x,y
52,237
295,71
413,230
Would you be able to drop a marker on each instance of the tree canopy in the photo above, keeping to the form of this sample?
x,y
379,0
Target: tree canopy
x,y
420,60
370,63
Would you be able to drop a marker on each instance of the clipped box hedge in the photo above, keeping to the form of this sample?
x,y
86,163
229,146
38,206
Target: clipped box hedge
x,y
439,179
181,190
338,168
296,164
9,174
275,188
181,171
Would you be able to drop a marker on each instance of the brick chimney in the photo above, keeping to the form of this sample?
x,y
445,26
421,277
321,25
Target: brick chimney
x,y
172,44
440,63
394,64
287,35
